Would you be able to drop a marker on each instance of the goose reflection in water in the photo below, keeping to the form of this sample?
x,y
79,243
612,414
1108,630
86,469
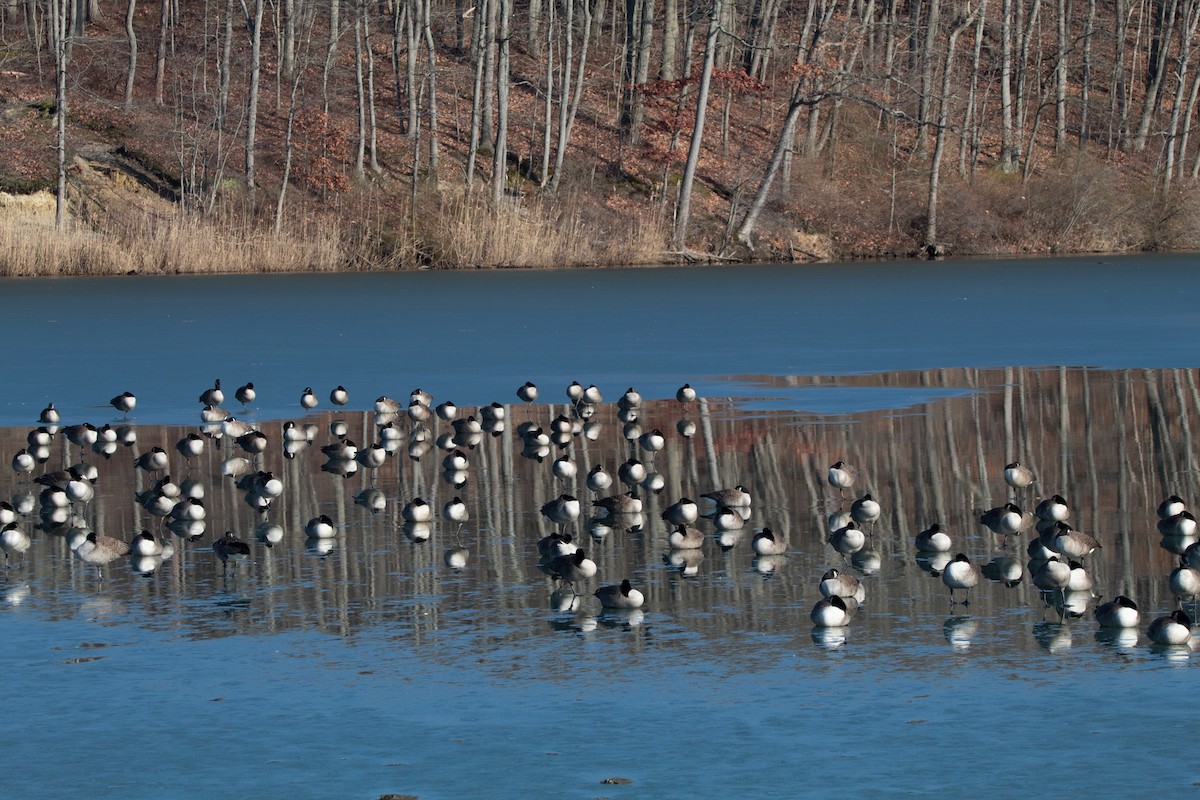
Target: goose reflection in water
x,y
658,540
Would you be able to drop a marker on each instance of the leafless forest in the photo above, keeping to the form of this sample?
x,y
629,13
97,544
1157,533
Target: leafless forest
x,y
346,134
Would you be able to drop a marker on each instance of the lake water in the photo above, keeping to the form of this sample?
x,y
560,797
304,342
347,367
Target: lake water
x,y
376,662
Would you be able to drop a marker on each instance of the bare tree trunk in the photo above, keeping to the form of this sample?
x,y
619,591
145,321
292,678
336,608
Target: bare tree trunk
x,y
372,126
412,23
968,140
1062,46
566,118
932,25
431,63
160,68
670,45
131,35
59,30
1187,33
287,53
1156,68
252,96
500,155
533,35
486,123
684,208
335,33
479,35
931,242
360,151
1085,80
548,97
1008,151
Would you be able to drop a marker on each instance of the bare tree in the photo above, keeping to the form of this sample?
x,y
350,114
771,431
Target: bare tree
x,y
939,147
683,209
255,24
131,35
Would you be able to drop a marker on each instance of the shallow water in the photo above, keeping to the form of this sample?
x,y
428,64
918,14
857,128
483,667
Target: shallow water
x,y
376,667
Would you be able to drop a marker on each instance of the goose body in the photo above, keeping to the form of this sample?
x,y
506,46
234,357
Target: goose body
x,y
1053,575
562,510
597,479
960,573
628,503
320,528
1181,524
849,539
1185,581
841,475
1018,476
528,392
154,460
455,510
213,396
555,545
339,396
832,612
933,540
13,540
737,497
49,415
190,446
835,582
98,550
124,402
681,512
1120,612
308,400
1053,509
685,538
145,544
230,548
865,510
1175,628
245,394
622,596
768,543
1003,520
572,568
685,394
417,510
1071,543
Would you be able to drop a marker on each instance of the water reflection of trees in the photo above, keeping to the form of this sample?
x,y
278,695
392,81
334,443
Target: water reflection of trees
x,y
1113,443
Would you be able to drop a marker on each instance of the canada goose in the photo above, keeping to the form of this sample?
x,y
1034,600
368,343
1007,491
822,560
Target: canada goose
x,y
623,596
631,473
1003,520
1053,509
1175,628
628,503
865,510
245,394
455,460
685,394
563,467
343,450
252,442
213,396
1053,575
681,512
386,405
13,540
230,548
420,396
1018,476
737,497
124,402
572,568
145,544
213,414
849,539
933,540
842,476
320,528
960,573
575,392
1171,506
456,510
154,460
339,396
1181,524
1120,612
1185,581
562,510
493,412
1080,580
592,395
49,415
768,543
685,538
417,510
308,400
190,446
835,582
83,435
597,479
652,441
556,544
99,550
832,612
1069,542
418,411
23,463
446,411
527,393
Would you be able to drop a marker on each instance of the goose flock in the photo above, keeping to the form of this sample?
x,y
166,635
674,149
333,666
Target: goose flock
x,y
1056,551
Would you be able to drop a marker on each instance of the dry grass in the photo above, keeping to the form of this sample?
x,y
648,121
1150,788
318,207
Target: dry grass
x,y
171,246
561,232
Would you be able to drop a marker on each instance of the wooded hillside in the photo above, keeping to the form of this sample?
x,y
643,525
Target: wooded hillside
x,y
405,133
